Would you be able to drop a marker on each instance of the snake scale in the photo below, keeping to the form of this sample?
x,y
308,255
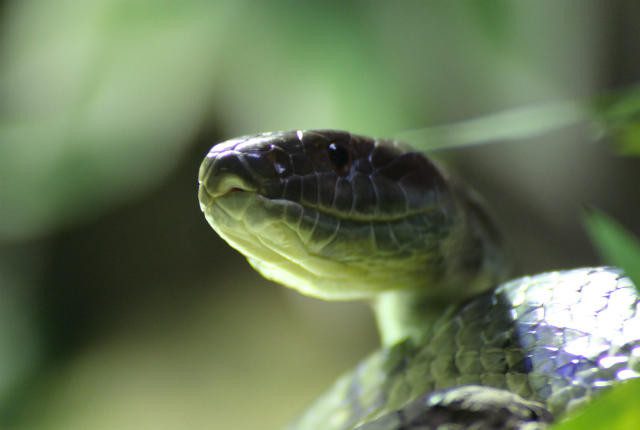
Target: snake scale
x,y
340,216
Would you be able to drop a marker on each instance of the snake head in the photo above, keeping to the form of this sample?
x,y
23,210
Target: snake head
x,y
336,215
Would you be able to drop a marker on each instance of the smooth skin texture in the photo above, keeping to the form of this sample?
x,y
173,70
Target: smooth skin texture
x,y
340,217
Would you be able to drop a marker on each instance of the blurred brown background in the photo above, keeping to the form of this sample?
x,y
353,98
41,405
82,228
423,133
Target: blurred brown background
x,y
119,306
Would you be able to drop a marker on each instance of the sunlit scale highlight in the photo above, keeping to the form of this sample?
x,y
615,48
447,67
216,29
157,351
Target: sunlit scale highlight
x,y
502,339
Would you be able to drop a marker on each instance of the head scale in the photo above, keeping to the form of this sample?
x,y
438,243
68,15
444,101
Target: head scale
x,y
341,216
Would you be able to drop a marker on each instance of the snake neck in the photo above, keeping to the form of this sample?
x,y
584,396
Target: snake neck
x,y
402,315
473,261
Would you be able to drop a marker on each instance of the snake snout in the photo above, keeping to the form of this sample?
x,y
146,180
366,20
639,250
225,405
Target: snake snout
x,y
254,163
223,173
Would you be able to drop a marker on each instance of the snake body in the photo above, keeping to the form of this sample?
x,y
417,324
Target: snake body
x,y
340,216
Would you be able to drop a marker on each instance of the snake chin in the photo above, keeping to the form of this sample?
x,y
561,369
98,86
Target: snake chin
x,y
273,249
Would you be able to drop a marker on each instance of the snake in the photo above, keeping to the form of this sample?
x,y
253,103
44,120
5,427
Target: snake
x,y
339,216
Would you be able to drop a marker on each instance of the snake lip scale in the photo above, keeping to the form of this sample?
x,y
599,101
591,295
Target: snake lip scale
x,y
340,216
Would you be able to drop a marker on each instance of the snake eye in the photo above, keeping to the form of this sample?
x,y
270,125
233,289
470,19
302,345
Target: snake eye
x,y
340,158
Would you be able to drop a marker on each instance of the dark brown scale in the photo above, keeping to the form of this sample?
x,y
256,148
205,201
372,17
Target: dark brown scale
x,y
259,166
280,161
383,155
364,195
343,198
316,146
293,188
310,189
231,163
326,188
301,164
363,165
389,192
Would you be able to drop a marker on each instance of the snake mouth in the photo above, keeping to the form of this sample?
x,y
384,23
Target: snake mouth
x,y
222,185
222,174
212,188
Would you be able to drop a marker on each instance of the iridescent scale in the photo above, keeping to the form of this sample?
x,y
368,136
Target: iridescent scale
x,y
558,338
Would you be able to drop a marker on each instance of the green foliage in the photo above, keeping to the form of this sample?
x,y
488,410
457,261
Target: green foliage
x,y
617,409
616,115
98,100
511,125
617,246
619,114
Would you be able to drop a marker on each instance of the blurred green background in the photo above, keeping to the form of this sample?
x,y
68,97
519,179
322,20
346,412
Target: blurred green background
x,y
119,306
